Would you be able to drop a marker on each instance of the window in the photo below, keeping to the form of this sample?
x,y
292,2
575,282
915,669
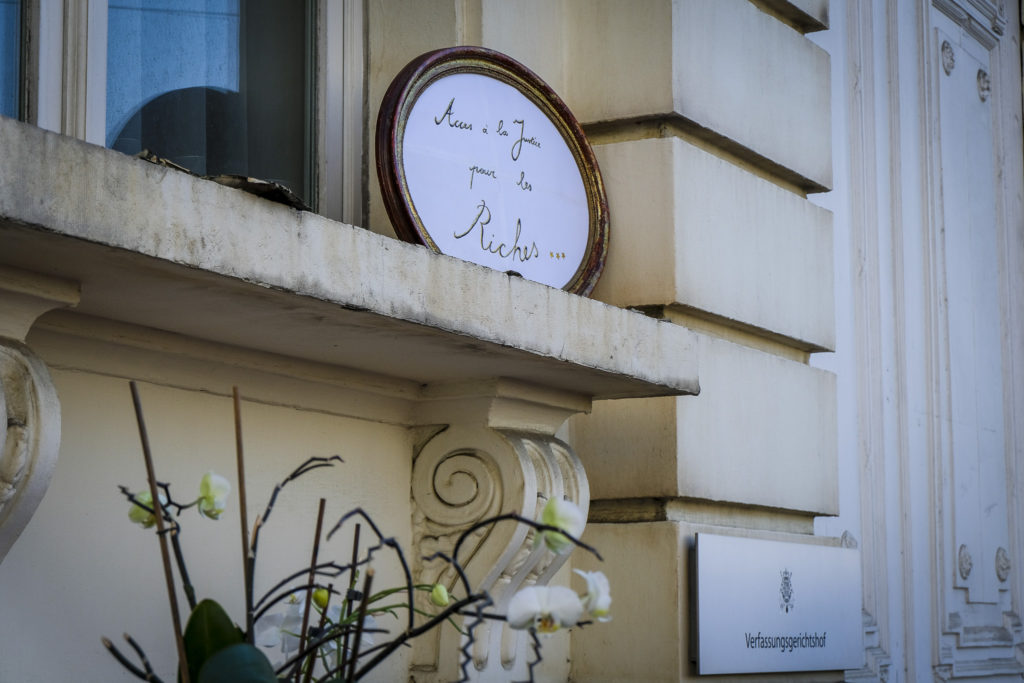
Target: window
x,y
271,89
217,86
10,56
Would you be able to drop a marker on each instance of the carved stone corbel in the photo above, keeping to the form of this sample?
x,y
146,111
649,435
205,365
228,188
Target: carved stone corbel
x,y
29,438
29,409
498,454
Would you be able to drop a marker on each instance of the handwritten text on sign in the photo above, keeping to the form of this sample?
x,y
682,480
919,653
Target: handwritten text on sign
x,y
493,181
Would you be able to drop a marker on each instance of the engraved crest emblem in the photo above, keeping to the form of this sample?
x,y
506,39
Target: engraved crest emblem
x,y
786,591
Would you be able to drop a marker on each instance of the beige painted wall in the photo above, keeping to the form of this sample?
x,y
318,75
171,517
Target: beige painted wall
x,y
666,93
81,570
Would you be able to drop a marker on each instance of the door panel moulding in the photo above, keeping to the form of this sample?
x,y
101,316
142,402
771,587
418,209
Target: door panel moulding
x,y
983,20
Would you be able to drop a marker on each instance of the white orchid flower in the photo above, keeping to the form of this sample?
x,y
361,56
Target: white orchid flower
x,y
598,599
139,514
282,629
544,608
565,515
213,494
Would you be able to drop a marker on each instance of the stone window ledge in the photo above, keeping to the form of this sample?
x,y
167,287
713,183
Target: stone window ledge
x,y
154,247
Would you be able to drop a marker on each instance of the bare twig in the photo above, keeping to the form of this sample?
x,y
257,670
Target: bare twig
x,y
536,651
142,655
385,649
382,542
272,597
467,656
159,516
522,520
143,675
308,466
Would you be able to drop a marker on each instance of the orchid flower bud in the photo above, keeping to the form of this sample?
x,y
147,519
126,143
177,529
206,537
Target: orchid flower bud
x,y
439,595
213,494
566,516
139,514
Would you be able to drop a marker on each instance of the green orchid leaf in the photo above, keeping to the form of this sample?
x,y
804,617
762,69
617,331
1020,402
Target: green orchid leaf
x,y
240,663
209,630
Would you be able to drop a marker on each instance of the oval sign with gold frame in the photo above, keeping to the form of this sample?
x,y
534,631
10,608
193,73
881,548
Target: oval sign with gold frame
x,y
479,159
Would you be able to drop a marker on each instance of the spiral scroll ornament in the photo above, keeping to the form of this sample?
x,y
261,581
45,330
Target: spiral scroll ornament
x,y
463,476
29,437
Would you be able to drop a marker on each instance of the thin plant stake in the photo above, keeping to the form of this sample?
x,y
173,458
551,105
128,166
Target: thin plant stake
x,y
244,517
309,591
320,627
367,584
158,513
351,587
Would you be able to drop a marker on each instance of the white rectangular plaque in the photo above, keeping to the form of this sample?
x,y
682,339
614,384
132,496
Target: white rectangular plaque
x,y
774,606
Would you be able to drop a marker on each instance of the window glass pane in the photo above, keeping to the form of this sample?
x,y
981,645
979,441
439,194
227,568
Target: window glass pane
x,y
217,86
10,56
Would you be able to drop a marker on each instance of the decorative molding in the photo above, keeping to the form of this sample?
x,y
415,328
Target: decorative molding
x,y
73,341
24,296
978,637
948,57
973,635
964,562
1002,564
83,103
29,409
983,20
984,85
499,455
29,440
340,120
994,12
896,345
868,222
1006,666
876,660
1000,634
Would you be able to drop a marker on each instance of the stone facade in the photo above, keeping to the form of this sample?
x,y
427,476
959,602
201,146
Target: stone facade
x,y
790,318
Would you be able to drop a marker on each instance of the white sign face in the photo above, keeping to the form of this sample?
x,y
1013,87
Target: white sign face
x,y
769,606
479,159
494,182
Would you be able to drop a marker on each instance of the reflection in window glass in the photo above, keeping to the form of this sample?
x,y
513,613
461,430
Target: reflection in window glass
x,y
10,56
217,86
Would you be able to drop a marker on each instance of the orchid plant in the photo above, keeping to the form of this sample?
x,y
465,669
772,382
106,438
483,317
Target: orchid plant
x,y
322,623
